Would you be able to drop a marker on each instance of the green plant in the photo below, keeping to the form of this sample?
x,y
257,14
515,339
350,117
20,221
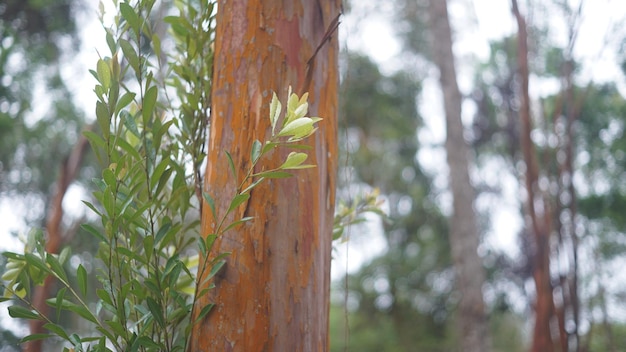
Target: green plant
x,y
151,143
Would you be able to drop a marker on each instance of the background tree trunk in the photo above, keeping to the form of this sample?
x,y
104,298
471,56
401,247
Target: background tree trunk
x,y
539,219
464,236
273,294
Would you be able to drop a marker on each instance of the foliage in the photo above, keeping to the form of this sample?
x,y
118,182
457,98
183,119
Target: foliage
x,y
149,280
395,291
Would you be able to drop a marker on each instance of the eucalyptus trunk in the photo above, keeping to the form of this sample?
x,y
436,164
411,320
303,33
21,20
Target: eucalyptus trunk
x,y
273,293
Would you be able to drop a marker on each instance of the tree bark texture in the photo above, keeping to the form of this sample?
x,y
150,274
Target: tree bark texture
x,y
464,235
540,220
273,293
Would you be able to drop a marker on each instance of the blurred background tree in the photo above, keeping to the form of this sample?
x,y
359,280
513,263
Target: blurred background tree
x,y
40,122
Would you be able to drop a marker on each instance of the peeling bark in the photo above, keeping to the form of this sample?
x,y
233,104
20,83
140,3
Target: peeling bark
x,y
273,294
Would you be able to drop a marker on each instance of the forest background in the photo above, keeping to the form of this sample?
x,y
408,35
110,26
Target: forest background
x,y
398,291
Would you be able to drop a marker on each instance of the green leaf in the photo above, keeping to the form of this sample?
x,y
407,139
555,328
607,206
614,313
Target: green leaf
x,y
143,341
56,329
11,274
237,200
231,164
56,267
129,149
162,231
240,221
209,241
156,45
65,255
92,230
122,103
268,146
108,201
130,16
35,337
58,303
109,177
104,73
205,310
149,102
299,128
256,151
275,109
81,276
103,118
274,174
94,139
24,313
80,310
156,311
130,54
216,268
301,110
253,184
36,262
110,42
104,296
148,246
293,160
211,203
292,105
158,171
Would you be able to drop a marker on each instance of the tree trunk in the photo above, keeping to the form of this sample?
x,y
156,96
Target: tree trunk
x,y
273,293
540,221
464,236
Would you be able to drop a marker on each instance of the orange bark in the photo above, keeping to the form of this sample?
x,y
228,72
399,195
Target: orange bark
x,y
273,293
540,220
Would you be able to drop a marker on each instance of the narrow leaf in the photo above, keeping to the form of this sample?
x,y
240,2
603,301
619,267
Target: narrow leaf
x,y
21,312
130,54
275,108
35,337
130,16
293,160
205,310
216,268
254,184
58,304
231,164
104,73
149,102
238,222
274,174
237,200
211,203
156,311
81,276
256,150
56,267
56,329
